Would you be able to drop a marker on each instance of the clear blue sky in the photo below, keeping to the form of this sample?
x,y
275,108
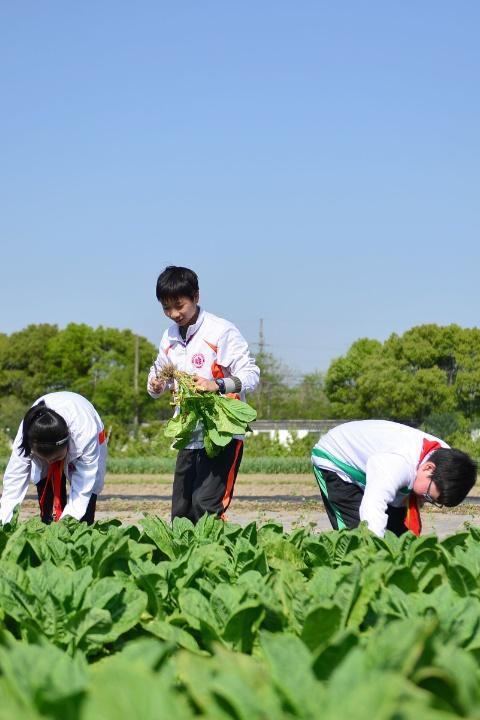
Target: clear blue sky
x,y
317,163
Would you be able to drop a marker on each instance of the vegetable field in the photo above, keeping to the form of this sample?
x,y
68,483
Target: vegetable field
x,y
222,621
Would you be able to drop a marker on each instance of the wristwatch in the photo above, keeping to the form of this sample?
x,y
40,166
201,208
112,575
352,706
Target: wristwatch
x,y
221,385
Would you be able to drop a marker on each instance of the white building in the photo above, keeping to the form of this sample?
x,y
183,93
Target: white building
x,y
286,430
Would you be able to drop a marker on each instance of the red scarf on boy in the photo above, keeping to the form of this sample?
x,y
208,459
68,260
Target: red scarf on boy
x,y
413,520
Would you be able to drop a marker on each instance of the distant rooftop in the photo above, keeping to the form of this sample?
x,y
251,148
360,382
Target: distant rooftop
x,y
295,425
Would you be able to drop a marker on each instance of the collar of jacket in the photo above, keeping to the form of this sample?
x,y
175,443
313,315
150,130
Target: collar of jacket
x,y
174,331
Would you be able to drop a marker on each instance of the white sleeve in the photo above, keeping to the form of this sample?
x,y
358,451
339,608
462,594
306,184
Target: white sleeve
x,y
158,363
85,479
233,354
387,473
15,480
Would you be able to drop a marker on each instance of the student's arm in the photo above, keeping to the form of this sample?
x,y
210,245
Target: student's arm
x,y
156,387
15,480
387,473
234,355
85,479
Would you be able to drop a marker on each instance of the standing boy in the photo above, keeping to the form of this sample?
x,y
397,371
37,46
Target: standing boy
x,y
217,355
381,472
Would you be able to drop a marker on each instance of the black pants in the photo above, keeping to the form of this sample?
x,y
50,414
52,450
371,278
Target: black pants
x,y
46,510
342,503
205,485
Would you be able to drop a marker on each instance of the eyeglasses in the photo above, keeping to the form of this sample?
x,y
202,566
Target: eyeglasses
x,y
428,498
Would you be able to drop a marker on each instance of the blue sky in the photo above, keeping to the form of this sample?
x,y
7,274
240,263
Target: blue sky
x,y
316,163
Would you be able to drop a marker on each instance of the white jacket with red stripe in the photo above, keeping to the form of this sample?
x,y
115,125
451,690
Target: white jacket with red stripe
x,y
84,464
213,348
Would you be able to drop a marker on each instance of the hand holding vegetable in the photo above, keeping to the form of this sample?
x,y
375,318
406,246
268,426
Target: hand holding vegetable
x,y
204,385
156,385
221,417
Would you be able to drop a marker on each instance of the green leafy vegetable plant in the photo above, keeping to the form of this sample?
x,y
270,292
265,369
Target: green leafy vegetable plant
x,y
219,417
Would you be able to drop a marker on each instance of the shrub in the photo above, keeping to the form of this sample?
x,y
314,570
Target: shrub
x,y
262,445
150,441
5,444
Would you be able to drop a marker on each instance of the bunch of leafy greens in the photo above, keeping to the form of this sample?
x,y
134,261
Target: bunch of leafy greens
x,y
221,417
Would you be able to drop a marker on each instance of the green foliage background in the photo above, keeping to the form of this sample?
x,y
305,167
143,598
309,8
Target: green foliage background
x,y
428,377
98,363
429,370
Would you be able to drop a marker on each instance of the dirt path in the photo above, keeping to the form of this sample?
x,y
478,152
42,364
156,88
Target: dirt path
x,y
291,500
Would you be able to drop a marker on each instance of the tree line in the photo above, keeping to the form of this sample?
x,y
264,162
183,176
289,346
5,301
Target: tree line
x,y
429,377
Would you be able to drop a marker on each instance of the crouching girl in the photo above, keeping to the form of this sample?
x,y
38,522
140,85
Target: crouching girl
x,y
60,438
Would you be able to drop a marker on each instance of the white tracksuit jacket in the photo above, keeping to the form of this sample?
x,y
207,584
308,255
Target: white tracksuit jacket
x,y
213,348
388,452
84,463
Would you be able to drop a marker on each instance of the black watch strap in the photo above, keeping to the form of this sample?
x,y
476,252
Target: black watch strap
x,y
221,385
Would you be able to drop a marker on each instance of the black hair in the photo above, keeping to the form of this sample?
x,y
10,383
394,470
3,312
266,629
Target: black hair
x,y
45,429
455,474
175,282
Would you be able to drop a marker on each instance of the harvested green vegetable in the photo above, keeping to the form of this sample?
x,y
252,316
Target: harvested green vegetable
x,y
221,417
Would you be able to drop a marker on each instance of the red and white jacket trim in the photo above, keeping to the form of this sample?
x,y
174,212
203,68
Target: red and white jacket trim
x,y
213,348
85,462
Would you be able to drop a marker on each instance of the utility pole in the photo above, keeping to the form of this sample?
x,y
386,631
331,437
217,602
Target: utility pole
x,y
135,385
261,351
261,338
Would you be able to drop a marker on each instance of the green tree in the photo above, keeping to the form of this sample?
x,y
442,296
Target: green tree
x,y
69,358
12,411
430,369
106,365
467,384
22,362
344,374
386,390
305,400
110,368
273,381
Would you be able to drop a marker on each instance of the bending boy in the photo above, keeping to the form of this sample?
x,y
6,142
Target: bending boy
x,y
382,472
217,355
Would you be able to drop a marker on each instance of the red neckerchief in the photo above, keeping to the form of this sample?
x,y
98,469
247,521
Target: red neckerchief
x,y
54,478
413,520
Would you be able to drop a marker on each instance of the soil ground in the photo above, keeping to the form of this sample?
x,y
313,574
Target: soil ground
x,y
292,500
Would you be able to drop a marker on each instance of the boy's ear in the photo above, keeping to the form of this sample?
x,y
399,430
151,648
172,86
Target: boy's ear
x,y
196,298
429,466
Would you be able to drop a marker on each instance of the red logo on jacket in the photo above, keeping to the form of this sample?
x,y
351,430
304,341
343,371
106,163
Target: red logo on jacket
x,y
198,360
